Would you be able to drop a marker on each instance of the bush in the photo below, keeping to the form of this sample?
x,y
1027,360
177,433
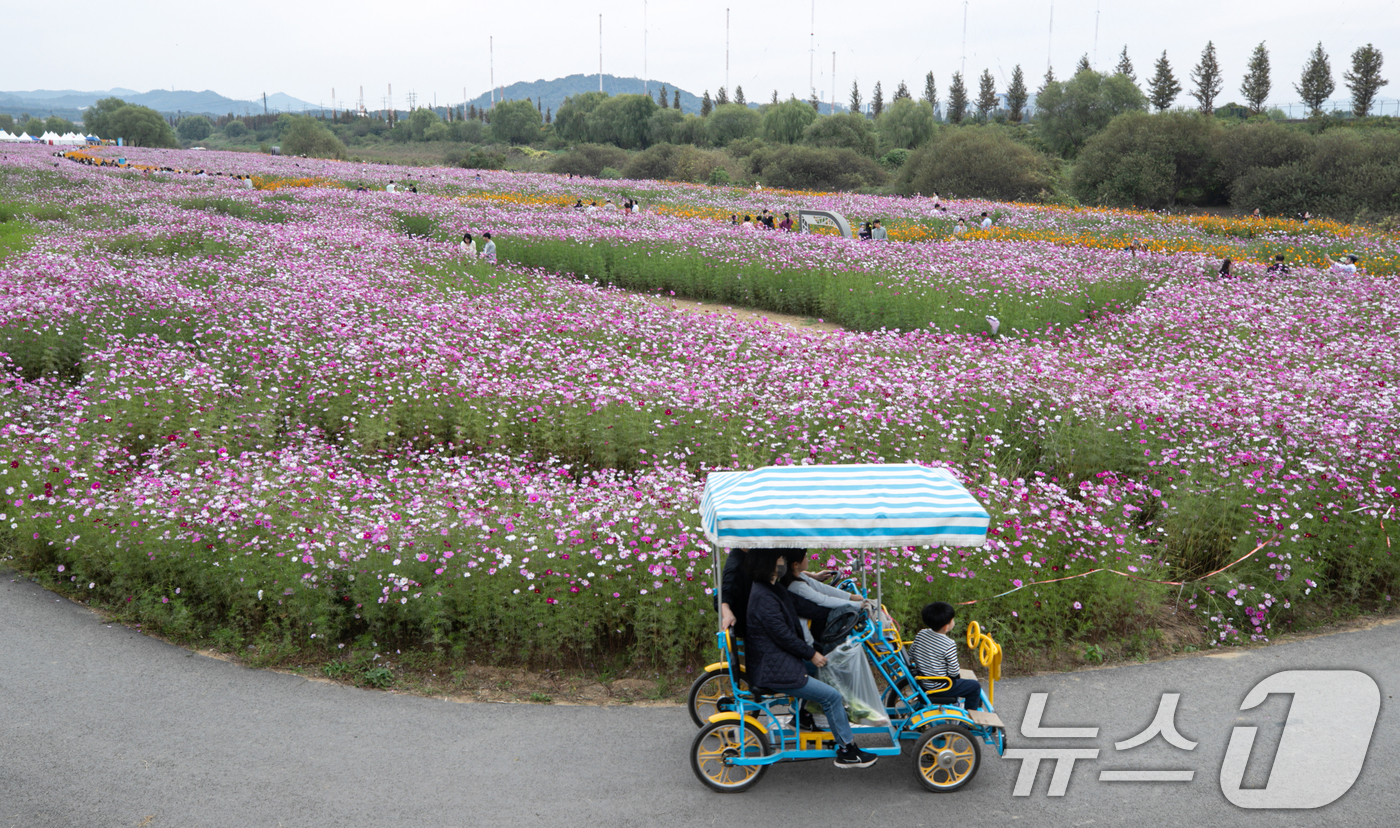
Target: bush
x,y
894,159
679,163
610,173
810,168
589,160
194,128
235,129
305,135
906,125
516,122
786,122
731,122
976,162
844,131
477,158
1149,160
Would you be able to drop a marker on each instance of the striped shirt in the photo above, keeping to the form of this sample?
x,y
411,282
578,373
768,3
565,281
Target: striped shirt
x,y
935,654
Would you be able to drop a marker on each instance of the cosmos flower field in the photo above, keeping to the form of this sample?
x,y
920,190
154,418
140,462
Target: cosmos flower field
x,y
297,416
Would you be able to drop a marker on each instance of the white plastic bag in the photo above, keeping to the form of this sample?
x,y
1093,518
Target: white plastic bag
x,y
848,671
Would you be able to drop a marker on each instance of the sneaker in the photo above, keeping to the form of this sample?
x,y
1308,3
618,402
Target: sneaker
x,y
850,756
807,721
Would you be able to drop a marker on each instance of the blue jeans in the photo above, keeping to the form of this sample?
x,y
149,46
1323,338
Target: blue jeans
x,y
832,705
969,690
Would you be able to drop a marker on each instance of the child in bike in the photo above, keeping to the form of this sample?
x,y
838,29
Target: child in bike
x,y
935,654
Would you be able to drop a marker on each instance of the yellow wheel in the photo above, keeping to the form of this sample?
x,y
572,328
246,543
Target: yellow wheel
x,y
718,742
710,694
946,758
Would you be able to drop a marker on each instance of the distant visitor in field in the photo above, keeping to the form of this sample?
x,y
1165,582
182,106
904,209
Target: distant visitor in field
x,y
1345,265
878,232
960,228
786,223
391,188
986,221
488,251
1225,269
866,233
1280,265
468,246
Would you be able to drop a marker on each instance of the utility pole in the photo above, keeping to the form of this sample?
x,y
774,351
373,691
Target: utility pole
x,y
332,103
600,53
726,51
264,103
964,48
1096,35
1050,39
491,43
812,54
833,83
646,79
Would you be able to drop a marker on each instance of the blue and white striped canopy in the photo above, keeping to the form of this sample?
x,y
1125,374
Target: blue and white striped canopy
x,y
840,507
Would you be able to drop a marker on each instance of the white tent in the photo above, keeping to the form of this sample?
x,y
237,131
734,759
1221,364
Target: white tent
x,y
24,136
5,136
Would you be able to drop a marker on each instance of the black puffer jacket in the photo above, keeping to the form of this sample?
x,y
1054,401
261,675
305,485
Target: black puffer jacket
x,y
774,648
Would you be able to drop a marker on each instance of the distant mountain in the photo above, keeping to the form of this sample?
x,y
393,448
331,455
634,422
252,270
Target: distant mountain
x,y
69,103
551,93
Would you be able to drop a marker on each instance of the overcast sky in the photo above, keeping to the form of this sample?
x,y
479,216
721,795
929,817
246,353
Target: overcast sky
x,y
439,47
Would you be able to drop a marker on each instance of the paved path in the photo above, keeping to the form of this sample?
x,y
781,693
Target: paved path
x,y
101,726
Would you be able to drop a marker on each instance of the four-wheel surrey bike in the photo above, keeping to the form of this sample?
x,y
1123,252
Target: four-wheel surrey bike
x,y
745,729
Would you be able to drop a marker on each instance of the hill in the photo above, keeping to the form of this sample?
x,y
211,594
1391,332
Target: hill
x,y
551,93
70,103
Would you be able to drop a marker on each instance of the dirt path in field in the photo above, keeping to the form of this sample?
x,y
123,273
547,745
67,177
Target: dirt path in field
x,y
743,314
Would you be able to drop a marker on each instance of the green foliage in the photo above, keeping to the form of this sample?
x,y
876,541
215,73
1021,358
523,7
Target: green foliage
x,y
730,122
97,118
237,208
1346,173
906,124
140,126
894,159
307,136
516,122
809,168
986,95
677,163
1206,75
1316,84
1164,87
194,128
588,160
7,122
957,99
381,678
845,130
623,121
663,127
235,129
476,158
58,126
1069,113
571,121
976,162
1256,85
34,127
1364,79
1143,160
1017,94
785,123
417,225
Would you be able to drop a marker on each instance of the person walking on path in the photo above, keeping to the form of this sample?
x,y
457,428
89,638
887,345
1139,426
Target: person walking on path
x,y
488,251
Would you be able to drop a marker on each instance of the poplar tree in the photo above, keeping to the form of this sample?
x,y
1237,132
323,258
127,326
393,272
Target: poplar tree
x,y
877,101
1163,88
663,100
721,97
957,99
1206,74
1364,80
739,96
1255,88
1316,85
986,95
706,105
1083,64
855,97
902,93
676,100
775,98
1016,95
930,91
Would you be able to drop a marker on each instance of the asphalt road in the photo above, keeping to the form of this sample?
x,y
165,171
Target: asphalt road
x,y
101,726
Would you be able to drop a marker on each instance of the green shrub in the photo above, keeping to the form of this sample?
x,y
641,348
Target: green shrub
x,y
610,173
976,162
810,168
588,160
